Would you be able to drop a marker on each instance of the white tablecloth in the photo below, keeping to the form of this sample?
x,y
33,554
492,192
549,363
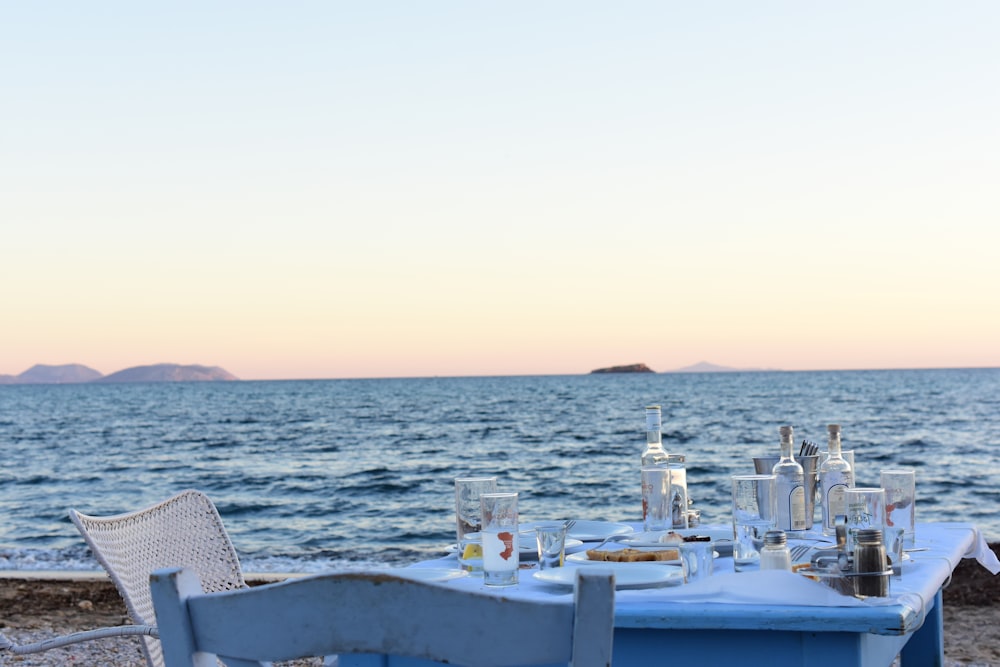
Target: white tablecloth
x,y
921,578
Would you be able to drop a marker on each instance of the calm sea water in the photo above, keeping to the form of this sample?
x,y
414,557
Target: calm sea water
x,y
309,474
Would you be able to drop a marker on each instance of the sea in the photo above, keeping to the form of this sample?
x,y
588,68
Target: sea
x,y
310,475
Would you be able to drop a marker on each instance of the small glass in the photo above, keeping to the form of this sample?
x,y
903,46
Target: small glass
x,y
900,503
501,548
551,539
865,509
754,513
655,498
697,560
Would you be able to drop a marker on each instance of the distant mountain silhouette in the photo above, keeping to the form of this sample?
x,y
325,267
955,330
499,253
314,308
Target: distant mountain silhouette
x,y
706,367
64,374
170,373
77,374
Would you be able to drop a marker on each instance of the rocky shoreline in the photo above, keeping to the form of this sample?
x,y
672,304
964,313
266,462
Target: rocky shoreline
x,y
36,609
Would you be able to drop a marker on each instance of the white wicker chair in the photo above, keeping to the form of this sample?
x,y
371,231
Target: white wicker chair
x,y
183,531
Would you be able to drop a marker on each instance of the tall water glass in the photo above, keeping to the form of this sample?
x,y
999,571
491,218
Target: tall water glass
x,y
900,504
655,498
754,513
469,519
468,511
865,509
501,548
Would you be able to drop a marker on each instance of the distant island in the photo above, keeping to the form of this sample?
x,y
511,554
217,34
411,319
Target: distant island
x,y
630,368
79,374
700,367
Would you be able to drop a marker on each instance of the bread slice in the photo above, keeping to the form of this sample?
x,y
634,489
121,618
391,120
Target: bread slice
x,y
633,555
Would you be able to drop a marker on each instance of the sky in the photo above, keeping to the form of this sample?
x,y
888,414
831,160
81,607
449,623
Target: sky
x,y
399,188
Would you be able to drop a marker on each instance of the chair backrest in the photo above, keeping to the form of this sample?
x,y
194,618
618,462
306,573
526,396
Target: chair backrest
x,y
183,531
364,612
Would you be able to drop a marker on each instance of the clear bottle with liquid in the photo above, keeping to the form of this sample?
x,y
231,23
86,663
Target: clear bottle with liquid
x,y
654,454
835,477
775,555
789,485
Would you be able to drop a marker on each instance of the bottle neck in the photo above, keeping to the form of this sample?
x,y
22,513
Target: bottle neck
x,y
654,431
833,446
833,441
786,447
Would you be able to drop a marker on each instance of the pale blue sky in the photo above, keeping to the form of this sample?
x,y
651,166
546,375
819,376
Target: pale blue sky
x,y
347,189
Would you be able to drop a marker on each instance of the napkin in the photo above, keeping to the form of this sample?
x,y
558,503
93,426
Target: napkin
x,y
981,551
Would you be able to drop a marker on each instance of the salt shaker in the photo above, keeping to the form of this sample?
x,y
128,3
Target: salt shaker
x,y
870,565
775,555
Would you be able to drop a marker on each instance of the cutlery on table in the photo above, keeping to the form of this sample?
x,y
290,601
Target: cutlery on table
x,y
799,551
808,448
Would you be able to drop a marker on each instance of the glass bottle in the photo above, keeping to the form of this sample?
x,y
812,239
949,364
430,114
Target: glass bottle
x,y
775,555
654,454
835,477
789,484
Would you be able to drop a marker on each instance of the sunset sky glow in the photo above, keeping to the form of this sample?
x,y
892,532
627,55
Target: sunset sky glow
x,y
324,190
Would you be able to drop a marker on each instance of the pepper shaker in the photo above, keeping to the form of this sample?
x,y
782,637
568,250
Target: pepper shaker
x,y
870,564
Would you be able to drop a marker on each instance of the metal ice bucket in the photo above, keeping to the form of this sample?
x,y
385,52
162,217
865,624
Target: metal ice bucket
x,y
764,464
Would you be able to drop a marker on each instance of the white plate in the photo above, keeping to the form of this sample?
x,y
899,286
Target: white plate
x,y
722,538
653,538
636,575
595,531
582,557
429,573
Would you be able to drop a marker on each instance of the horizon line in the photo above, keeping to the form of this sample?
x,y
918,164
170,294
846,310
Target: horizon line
x,y
680,371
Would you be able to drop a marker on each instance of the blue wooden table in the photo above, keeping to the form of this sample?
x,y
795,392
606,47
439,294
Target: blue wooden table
x,y
699,624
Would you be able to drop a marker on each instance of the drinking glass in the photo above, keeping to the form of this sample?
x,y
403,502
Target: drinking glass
x,y
469,518
865,509
697,560
501,549
551,539
655,498
900,502
678,495
754,513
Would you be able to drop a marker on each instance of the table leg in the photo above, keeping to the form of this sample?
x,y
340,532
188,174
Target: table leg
x,y
926,646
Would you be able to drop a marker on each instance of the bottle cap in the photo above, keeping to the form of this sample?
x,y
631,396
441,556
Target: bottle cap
x,y
785,431
775,538
833,428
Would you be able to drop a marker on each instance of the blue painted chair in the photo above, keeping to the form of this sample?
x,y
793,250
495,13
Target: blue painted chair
x,y
359,612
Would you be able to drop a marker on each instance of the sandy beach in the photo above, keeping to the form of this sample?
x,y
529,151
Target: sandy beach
x,y
38,608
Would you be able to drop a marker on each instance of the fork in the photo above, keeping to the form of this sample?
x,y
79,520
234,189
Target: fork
x,y
799,551
808,448
612,538
569,524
